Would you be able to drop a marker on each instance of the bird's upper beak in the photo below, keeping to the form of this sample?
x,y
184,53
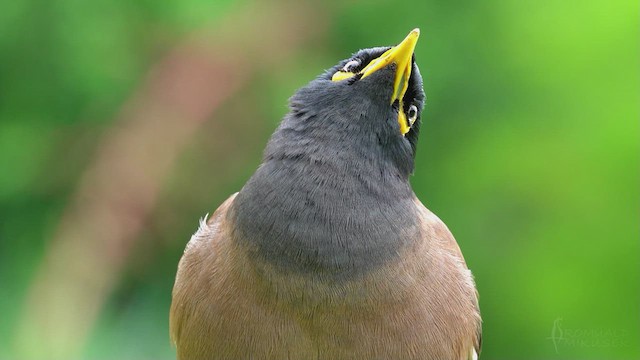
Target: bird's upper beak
x,y
400,55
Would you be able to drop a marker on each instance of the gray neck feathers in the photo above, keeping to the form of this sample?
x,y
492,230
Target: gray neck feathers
x,y
332,196
327,200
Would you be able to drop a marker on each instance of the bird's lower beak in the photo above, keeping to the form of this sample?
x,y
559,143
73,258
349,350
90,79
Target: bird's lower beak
x,y
400,55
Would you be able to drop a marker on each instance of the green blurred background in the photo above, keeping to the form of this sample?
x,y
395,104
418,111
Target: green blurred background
x,y
123,122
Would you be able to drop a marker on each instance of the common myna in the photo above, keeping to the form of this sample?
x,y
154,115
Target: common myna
x,y
326,253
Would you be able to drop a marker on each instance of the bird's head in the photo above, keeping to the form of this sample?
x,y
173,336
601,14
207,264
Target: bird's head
x,y
398,64
371,101
332,196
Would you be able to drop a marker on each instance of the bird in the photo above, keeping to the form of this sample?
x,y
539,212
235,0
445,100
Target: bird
x,y
326,252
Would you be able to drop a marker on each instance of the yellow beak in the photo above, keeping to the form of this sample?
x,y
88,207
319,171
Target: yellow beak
x,y
401,55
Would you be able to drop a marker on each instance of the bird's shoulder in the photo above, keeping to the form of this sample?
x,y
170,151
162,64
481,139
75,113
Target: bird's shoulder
x,y
446,245
195,263
210,228
437,230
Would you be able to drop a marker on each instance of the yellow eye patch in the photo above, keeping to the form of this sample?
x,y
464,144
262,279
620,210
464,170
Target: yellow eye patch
x,y
342,75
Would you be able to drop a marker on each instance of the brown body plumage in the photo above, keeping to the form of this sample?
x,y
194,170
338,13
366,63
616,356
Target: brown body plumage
x,y
228,306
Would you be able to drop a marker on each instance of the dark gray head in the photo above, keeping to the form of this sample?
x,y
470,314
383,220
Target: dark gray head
x,y
332,195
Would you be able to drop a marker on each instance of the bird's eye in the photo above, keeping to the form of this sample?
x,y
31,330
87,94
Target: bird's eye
x,y
348,71
351,66
412,114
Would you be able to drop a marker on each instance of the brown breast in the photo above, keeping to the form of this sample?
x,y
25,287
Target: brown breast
x,y
227,305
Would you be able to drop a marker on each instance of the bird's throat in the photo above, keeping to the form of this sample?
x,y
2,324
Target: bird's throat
x,y
320,219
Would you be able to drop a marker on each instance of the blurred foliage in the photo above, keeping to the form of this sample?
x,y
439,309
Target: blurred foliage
x,y
529,153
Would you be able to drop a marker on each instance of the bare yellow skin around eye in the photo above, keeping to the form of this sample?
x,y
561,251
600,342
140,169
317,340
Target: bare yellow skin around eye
x,y
402,121
342,75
